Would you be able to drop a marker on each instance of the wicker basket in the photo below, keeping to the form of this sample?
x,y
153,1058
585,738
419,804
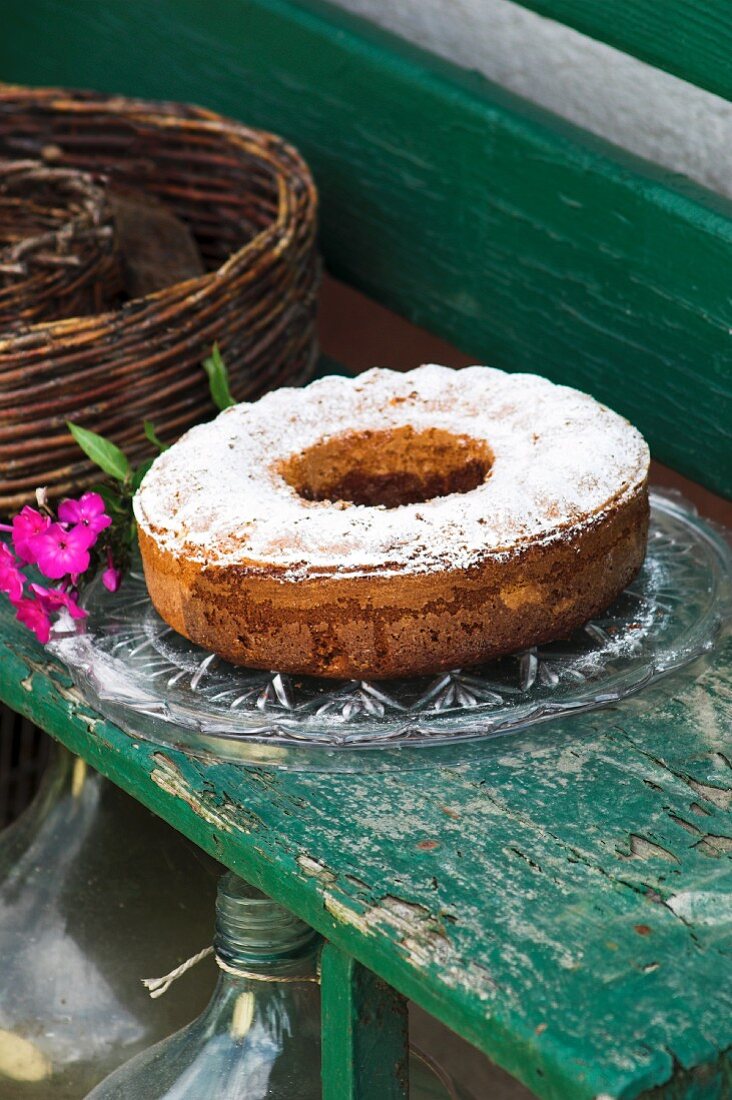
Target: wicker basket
x,y
57,248
250,202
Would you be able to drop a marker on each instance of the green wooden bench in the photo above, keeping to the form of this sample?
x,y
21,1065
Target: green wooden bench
x,y
571,914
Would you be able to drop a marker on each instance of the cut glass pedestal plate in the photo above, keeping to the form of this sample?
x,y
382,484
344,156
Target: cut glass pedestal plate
x,y
155,684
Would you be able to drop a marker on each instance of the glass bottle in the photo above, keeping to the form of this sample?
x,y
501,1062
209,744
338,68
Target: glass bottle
x,y
259,1037
93,891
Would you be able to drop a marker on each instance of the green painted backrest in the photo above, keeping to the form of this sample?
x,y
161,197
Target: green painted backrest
x,y
689,38
523,239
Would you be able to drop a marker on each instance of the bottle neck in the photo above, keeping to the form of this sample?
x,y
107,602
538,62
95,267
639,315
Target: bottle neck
x,y
256,991
274,962
65,776
237,966
69,792
254,933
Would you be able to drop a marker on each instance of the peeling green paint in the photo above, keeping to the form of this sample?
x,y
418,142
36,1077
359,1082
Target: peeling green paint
x,y
534,929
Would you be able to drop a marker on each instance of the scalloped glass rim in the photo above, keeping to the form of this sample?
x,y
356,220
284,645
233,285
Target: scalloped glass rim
x,y
155,684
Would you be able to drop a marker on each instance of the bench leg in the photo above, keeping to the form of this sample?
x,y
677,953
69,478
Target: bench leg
x,y
365,1053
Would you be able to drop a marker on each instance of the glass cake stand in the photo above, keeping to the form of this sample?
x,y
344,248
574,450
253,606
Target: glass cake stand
x,y
138,672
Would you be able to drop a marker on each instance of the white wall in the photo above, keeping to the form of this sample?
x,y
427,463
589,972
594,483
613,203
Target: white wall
x,y
632,104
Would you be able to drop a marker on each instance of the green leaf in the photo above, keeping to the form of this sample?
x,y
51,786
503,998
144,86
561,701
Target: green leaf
x,y
152,435
101,451
140,473
113,500
218,379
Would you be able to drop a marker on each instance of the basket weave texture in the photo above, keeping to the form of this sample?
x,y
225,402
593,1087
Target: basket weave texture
x,y
57,247
249,200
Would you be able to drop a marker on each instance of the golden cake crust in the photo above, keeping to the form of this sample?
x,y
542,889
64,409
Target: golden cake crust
x,y
395,609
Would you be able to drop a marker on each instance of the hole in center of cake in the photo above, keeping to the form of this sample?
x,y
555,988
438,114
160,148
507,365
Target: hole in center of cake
x,y
389,468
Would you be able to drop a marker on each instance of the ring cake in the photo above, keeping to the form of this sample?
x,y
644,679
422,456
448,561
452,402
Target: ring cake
x,y
394,524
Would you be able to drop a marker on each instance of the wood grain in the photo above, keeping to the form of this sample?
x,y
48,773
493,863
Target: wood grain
x,y
571,913
523,240
689,38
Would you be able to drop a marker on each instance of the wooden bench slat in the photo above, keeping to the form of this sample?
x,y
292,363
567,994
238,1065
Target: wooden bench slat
x,y
523,240
571,914
690,38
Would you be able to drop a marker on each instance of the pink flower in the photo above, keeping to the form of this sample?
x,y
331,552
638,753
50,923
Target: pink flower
x,y
59,551
52,599
11,578
27,526
32,615
87,511
111,577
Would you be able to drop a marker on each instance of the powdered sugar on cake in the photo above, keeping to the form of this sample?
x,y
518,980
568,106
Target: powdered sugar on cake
x,y
560,461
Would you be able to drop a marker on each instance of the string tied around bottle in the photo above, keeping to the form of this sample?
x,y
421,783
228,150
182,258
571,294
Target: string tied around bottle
x,y
158,986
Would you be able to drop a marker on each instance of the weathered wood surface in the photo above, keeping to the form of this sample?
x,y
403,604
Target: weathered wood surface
x,y
523,240
564,901
689,38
